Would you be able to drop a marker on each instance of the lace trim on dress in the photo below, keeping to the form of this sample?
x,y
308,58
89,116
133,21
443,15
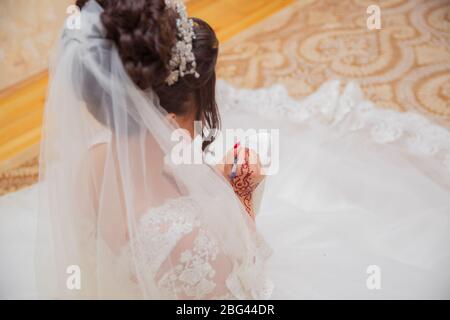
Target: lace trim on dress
x,y
192,274
347,112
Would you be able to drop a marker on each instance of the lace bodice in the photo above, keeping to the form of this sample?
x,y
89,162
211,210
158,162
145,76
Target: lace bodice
x,y
188,261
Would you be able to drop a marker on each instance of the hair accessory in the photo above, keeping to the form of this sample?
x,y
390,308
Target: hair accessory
x,y
183,60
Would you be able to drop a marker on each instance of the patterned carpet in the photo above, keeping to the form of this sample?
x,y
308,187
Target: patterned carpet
x,y
405,65
20,177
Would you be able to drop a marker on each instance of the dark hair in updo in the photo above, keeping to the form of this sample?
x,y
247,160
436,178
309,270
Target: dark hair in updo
x,y
144,32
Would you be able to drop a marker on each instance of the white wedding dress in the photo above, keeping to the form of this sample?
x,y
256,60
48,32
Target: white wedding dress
x,y
357,187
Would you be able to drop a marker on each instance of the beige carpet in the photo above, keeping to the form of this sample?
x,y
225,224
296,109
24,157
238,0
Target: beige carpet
x,y
405,65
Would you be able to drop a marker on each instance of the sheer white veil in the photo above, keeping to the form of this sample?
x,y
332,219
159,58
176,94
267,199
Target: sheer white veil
x,y
114,208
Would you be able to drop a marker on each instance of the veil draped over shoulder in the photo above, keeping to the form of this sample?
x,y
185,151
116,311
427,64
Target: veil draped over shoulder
x,y
117,217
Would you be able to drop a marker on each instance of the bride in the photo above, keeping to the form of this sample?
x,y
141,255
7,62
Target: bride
x,y
358,208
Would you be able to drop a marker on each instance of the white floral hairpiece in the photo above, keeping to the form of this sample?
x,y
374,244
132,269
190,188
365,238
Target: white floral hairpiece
x,y
183,60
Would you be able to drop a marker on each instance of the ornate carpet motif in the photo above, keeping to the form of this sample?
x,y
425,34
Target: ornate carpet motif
x,y
22,176
405,65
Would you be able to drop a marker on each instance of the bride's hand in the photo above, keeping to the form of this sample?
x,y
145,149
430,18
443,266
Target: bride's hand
x,y
242,168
